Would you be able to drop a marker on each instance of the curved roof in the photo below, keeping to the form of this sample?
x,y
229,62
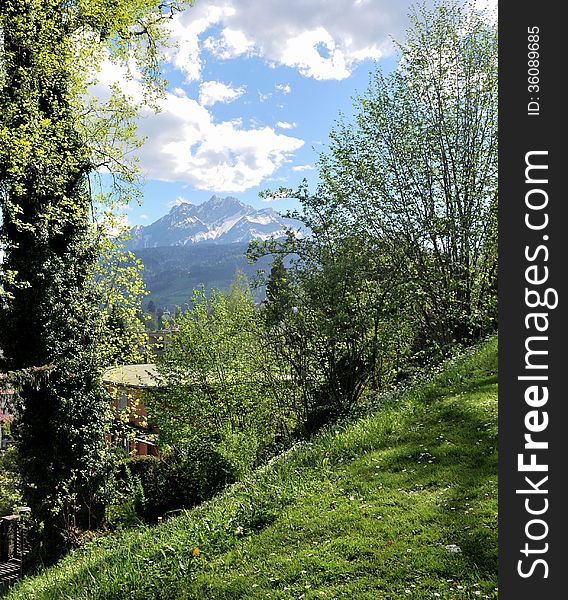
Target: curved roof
x,y
138,376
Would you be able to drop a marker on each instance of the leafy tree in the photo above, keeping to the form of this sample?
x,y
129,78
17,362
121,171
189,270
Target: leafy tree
x,y
417,168
334,320
52,142
214,404
402,250
279,295
119,286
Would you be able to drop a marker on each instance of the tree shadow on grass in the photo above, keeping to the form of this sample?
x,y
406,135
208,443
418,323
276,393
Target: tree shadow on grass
x,y
451,444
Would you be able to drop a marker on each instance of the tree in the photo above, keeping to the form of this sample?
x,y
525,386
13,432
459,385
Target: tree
x,y
334,321
417,169
51,145
279,298
214,405
119,287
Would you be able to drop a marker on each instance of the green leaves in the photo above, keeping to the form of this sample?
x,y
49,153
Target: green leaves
x,y
417,167
58,307
214,393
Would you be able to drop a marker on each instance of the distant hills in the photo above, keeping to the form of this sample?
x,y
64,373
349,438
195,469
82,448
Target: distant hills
x,y
204,244
171,273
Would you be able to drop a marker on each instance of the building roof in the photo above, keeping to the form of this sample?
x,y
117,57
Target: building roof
x,y
137,376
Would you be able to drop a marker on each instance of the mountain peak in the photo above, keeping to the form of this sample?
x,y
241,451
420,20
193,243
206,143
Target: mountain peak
x,y
181,206
218,220
228,201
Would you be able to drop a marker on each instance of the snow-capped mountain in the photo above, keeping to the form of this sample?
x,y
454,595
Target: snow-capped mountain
x,y
217,221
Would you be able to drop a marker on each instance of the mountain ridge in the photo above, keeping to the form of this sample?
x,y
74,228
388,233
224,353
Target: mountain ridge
x,y
216,221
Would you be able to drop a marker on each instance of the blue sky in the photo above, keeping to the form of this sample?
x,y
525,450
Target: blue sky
x,y
254,89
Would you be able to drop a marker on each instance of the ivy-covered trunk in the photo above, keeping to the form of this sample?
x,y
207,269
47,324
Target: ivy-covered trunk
x,y
48,310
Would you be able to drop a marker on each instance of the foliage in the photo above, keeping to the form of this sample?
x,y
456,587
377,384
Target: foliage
x,y
53,139
128,499
119,286
365,510
10,483
401,258
334,320
416,169
175,480
214,408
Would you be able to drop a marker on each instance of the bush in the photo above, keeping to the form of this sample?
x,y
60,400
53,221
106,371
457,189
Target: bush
x,y
177,480
216,411
10,483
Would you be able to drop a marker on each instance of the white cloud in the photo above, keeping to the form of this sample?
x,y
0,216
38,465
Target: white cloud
x,y
185,32
321,39
285,88
211,92
185,143
230,44
305,53
285,125
114,74
299,168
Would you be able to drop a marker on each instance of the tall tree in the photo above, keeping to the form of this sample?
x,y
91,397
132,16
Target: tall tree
x,y
334,321
50,304
417,168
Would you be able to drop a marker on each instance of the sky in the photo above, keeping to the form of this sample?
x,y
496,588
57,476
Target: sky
x,y
254,89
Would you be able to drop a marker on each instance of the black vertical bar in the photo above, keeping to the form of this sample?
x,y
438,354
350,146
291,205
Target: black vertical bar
x,y
531,119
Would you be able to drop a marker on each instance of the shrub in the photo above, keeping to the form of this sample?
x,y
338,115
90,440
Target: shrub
x,y
10,483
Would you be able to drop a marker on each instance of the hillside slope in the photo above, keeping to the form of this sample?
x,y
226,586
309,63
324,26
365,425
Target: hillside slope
x,y
171,273
401,503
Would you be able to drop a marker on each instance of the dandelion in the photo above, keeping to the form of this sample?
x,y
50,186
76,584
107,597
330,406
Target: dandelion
x,y
195,551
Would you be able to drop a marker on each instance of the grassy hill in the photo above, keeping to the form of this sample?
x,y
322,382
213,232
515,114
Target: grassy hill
x,y
401,503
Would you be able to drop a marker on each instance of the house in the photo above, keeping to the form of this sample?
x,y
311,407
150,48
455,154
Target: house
x,y
127,385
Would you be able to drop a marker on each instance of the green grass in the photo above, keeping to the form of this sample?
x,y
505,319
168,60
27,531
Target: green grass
x,y
367,511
